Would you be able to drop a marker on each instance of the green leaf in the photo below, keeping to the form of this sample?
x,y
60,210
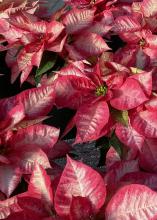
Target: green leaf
x,y
120,116
115,142
47,63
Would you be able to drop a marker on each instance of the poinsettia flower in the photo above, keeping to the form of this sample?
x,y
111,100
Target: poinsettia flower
x,y
141,41
40,193
36,37
91,94
137,30
8,8
140,133
116,69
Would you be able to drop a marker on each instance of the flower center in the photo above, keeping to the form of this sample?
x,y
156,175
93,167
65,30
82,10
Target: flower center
x,y
142,43
101,91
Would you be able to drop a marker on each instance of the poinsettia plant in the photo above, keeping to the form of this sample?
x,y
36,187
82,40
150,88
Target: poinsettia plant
x,y
95,60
